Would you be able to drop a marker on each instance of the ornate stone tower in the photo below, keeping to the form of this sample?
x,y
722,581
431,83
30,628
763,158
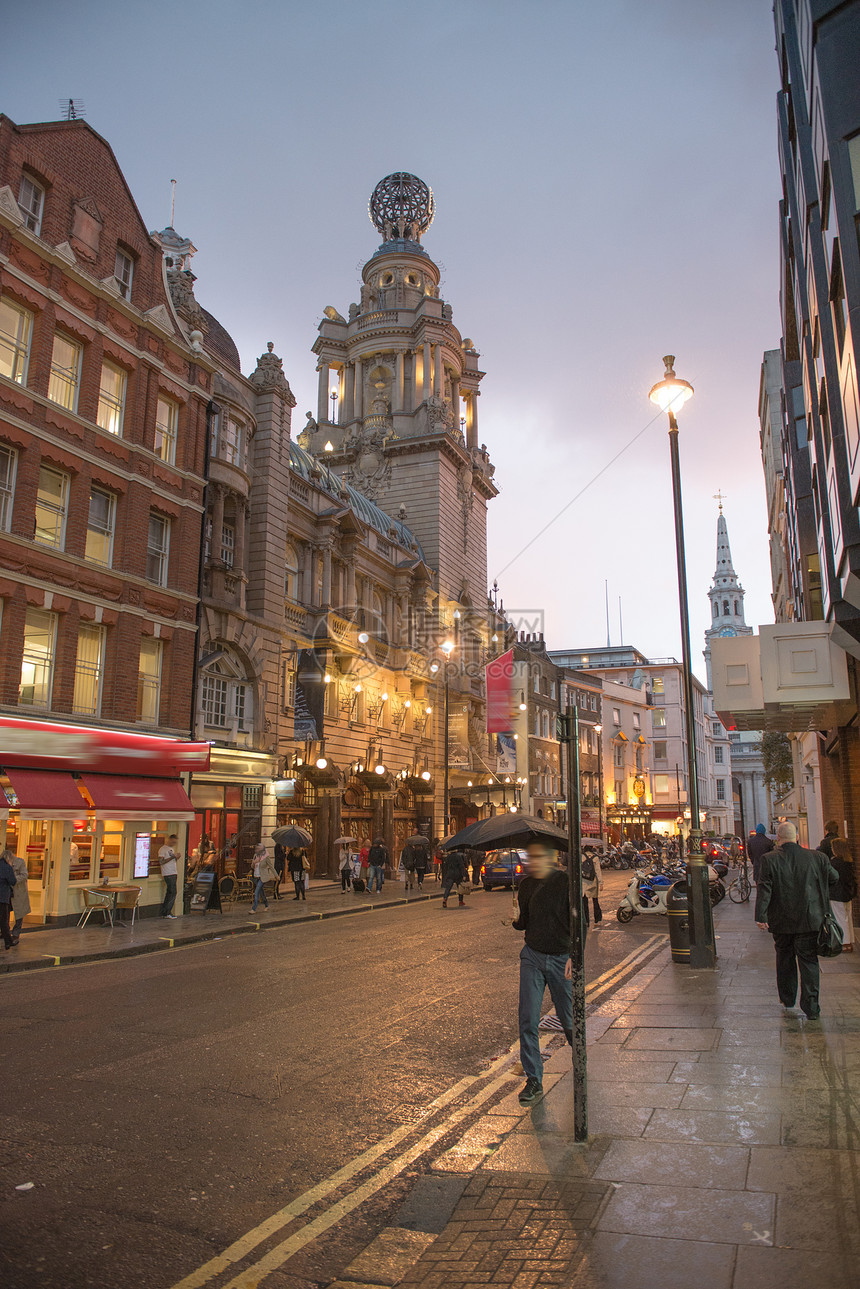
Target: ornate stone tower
x,y
726,595
397,413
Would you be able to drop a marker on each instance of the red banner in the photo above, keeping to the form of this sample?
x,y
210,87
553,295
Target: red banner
x,y
500,677
45,745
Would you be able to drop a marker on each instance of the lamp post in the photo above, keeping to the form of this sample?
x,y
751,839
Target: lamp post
x,y
598,729
670,394
447,647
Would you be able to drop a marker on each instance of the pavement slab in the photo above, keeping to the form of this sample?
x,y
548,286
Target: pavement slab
x,y
612,1261
675,1163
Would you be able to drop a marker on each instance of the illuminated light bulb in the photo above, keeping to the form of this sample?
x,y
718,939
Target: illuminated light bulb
x,y
425,775
456,615
328,447
522,707
428,710
671,393
516,736
363,637
447,647
494,638
379,769
512,809
385,698
321,762
469,784
327,679
407,703
358,688
434,667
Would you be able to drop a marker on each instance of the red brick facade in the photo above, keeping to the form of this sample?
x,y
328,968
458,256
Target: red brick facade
x,y
62,274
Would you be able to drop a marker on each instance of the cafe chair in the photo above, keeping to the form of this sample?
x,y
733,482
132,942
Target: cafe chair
x,y
93,902
129,899
244,888
228,890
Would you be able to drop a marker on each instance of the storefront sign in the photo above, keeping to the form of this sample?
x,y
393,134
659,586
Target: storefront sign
x,y
45,745
506,754
638,787
142,841
205,894
310,697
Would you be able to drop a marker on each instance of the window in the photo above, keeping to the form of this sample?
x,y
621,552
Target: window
x,y
660,749
718,756
111,398
166,417
232,443
661,785
149,680
544,722
637,722
215,701
52,499
291,573
721,789
16,330
37,659
658,718
123,271
619,791
100,527
31,203
89,669
854,162
228,544
157,549
289,686
737,610
716,729
657,686
619,754
616,716
8,464
65,372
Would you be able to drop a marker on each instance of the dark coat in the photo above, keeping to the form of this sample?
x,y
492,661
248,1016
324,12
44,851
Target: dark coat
x,y
7,882
453,866
758,846
825,845
793,889
847,888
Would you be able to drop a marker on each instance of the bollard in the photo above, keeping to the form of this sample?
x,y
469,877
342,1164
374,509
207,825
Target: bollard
x,y
677,907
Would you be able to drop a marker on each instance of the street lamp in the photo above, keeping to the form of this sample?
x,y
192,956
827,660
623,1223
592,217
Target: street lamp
x,y
447,648
670,394
598,729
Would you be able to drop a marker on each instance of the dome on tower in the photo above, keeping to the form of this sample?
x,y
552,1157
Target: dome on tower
x,y
401,206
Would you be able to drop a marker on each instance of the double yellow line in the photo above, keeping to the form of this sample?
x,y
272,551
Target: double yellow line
x,y
500,1073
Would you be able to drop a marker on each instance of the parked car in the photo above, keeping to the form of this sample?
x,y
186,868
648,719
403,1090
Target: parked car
x,y
505,868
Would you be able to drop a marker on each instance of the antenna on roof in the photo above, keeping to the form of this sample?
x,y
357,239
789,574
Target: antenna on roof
x,y
172,200
71,109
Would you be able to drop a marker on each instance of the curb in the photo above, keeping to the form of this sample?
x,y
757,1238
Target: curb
x,y
216,933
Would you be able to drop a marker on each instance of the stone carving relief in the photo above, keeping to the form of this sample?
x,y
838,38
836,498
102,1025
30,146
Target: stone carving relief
x,y
466,498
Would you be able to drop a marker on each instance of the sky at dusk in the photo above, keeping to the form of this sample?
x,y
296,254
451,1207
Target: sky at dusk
x,y
606,189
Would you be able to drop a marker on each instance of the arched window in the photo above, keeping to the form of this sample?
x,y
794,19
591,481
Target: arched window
x,y
226,693
737,610
716,609
291,573
725,608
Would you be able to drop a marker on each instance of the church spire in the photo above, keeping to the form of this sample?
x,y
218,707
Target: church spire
x,y
726,593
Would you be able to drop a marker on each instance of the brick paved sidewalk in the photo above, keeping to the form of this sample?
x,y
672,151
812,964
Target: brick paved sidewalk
x,y
63,946
725,1151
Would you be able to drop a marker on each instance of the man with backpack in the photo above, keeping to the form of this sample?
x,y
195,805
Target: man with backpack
x,y
407,859
377,858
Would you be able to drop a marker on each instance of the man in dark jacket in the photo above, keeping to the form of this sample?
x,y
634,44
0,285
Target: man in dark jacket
x,y
8,881
759,844
453,873
544,916
792,900
831,830
377,858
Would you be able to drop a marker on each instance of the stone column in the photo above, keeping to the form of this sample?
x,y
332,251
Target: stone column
x,y
217,524
308,578
472,420
349,411
326,577
455,399
239,552
388,827
322,394
438,375
398,383
427,372
350,581
404,640
358,388
341,395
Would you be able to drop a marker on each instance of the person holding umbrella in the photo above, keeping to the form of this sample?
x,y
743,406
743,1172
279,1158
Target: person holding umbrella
x,y
345,862
453,874
296,869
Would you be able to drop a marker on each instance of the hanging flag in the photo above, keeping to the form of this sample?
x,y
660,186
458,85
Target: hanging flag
x,y
506,754
310,696
500,676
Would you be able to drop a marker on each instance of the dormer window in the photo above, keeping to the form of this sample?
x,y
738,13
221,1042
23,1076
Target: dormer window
x,y
123,272
31,203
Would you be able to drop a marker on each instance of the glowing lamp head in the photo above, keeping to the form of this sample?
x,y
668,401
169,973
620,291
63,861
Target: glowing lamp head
x,y
326,679
671,393
598,729
357,689
385,698
469,784
407,703
428,710
379,769
321,762
522,707
512,809
456,615
494,638
425,775
447,647
434,667
363,637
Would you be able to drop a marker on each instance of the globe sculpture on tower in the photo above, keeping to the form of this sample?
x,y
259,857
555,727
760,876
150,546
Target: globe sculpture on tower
x,y
401,206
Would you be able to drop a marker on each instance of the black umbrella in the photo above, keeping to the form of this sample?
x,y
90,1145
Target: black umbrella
x,y
507,830
418,840
293,836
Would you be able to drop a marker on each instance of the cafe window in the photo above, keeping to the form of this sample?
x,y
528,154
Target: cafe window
x,y
166,421
16,330
8,466
111,398
100,527
65,371
37,659
52,500
89,670
149,680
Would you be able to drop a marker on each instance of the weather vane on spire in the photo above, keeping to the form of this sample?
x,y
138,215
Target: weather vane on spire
x,y
720,497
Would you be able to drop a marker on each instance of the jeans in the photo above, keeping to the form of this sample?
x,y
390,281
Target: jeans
x,y
598,911
259,893
420,874
4,925
375,876
448,885
345,879
169,895
299,884
540,971
793,951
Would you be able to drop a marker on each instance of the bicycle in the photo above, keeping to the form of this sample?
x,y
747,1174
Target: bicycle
x,y
740,887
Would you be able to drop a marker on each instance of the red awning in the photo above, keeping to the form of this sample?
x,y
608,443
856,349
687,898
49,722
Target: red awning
x,y
663,813
46,794
590,826
124,797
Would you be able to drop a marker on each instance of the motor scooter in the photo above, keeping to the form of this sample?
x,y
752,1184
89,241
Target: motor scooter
x,y
646,894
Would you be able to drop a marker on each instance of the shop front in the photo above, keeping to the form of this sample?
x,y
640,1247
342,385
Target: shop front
x,y
84,805
234,807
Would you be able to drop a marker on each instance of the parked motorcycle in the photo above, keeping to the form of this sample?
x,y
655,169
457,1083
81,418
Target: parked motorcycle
x,y
646,894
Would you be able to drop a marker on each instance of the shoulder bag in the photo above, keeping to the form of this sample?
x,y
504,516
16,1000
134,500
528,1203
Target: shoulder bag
x,y
830,933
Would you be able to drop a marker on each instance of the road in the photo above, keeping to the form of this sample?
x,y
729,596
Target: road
x,y
165,1105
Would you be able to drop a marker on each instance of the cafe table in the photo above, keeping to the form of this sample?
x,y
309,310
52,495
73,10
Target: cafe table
x,y
107,888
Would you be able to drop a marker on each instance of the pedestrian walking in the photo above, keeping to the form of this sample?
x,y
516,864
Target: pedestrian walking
x,y
544,916
437,860
264,871
21,893
363,862
453,874
377,858
167,859
592,880
296,869
735,849
793,898
422,859
280,868
759,844
407,859
831,831
8,882
843,861
345,869
475,857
